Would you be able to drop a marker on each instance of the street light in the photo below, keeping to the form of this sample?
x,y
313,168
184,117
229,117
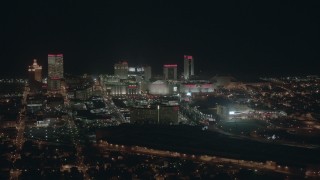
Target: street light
x,y
158,107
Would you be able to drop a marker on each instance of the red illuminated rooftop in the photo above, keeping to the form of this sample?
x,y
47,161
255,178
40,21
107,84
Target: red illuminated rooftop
x,y
187,57
52,55
170,65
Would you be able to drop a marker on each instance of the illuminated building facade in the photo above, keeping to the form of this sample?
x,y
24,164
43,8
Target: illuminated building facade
x,y
115,86
161,87
197,87
121,70
35,77
155,115
188,66
35,71
55,66
136,71
55,71
141,73
170,71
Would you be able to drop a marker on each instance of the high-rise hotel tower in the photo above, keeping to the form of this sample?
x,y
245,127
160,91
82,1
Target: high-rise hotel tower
x,y
55,71
188,66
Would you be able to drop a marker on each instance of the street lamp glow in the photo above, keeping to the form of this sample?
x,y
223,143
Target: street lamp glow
x,y
158,107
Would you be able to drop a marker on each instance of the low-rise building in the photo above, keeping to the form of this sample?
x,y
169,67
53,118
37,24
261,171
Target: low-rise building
x,y
80,88
155,115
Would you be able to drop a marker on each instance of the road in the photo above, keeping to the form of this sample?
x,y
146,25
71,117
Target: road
x,y
111,105
15,173
76,142
257,166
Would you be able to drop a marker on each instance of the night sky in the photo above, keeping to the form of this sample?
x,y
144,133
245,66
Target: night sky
x,y
225,37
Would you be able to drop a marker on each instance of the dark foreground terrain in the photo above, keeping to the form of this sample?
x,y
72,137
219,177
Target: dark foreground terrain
x,y
192,140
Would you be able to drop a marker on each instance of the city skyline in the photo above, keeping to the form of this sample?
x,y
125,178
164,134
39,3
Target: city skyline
x,y
249,38
159,90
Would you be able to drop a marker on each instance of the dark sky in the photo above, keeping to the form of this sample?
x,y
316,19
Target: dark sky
x,y
236,37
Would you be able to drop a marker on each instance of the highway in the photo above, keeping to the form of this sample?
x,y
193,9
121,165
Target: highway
x,y
257,166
